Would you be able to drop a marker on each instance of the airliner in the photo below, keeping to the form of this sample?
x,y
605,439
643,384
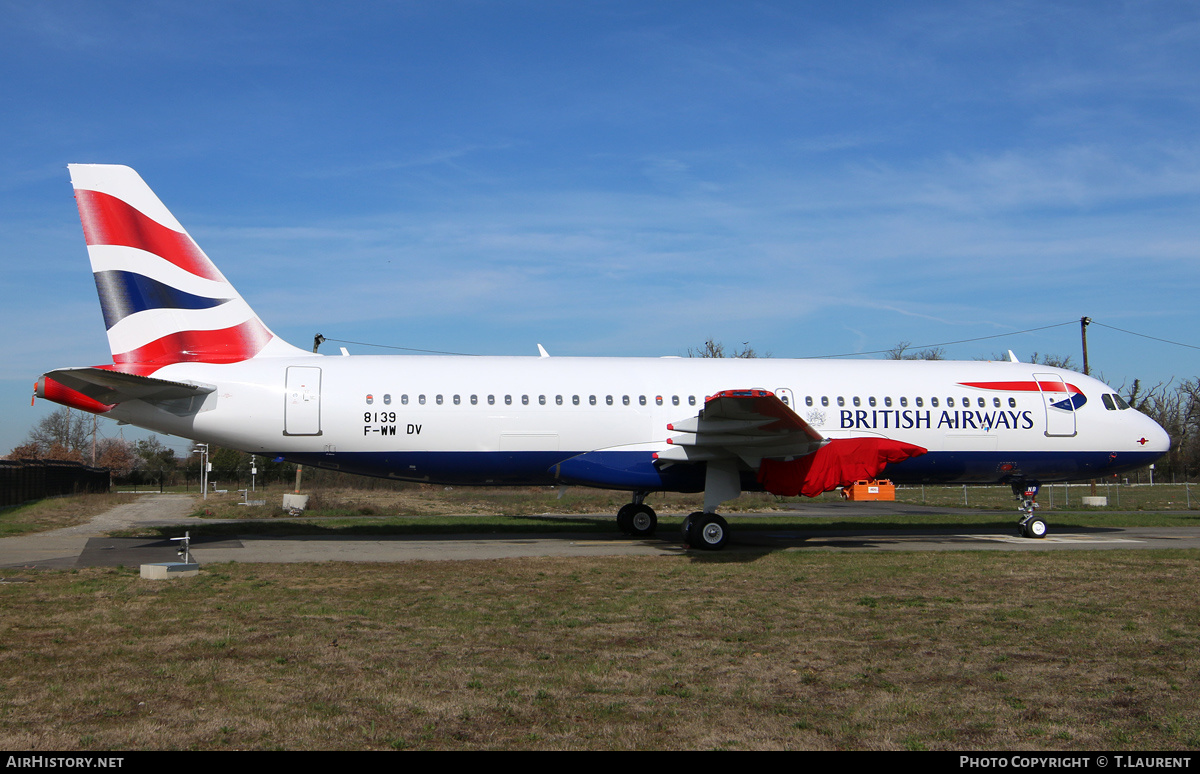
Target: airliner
x,y
191,358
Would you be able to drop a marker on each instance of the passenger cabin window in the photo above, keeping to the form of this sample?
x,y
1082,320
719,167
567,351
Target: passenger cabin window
x,y
887,402
808,401
608,399
950,402
524,400
1012,402
439,400
541,400
691,400
983,403
933,402
474,400
904,402
920,402
421,399
857,402
457,401
591,400
824,400
625,399
491,400
674,400
642,400
558,400
404,399
871,401
995,402
507,400
574,400
841,401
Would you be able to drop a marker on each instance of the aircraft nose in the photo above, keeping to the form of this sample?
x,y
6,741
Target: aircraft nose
x,y
1154,438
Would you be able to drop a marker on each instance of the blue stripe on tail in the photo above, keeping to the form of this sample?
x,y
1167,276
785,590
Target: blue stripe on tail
x,y
123,293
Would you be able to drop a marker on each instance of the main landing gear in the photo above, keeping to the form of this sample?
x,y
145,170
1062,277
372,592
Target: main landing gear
x,y
637,518
706,531
1029,525
703,529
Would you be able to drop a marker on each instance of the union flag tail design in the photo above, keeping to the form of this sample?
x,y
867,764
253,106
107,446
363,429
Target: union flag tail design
x,y
163,300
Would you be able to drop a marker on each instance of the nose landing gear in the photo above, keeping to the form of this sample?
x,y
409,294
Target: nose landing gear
x,y
1029,525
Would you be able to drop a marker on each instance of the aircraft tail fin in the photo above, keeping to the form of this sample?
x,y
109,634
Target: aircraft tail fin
x,y
163,300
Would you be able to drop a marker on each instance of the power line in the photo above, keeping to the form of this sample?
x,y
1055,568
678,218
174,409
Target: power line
x,y
406,349
1144,336
949,343
843,354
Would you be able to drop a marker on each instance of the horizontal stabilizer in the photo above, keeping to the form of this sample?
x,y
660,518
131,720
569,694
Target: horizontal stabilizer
x,y
112,387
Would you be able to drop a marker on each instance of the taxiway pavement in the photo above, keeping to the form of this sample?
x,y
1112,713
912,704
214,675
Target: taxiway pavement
x,y
89,546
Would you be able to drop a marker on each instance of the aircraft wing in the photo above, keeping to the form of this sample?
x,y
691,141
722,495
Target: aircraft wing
x,y
748,424
111,387
790,457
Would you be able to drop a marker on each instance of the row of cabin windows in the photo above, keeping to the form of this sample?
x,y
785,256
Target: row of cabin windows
x,y
626,400
918,402
542,400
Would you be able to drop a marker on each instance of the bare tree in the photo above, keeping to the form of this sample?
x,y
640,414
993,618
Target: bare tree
x,y
1054,361
714,348
63,434
901,352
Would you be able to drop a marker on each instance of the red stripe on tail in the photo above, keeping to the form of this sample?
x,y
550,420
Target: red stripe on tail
x,y
228,345
109,221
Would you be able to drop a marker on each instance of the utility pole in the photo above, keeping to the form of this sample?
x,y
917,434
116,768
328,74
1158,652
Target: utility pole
x,y
1084,322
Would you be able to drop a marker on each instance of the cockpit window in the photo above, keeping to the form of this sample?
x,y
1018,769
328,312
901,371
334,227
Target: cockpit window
x,y
1121,404
1108,402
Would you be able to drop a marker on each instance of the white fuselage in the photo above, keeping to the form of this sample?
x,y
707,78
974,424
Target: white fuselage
x,y
511,419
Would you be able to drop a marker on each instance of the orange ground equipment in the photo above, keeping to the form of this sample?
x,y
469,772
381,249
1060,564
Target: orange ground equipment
x,y
870,490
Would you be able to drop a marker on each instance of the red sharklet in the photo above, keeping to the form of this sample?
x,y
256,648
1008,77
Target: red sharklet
x,y
840,462
51,390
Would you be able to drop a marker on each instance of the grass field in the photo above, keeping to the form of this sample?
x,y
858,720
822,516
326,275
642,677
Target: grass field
x,y
772,650
986,650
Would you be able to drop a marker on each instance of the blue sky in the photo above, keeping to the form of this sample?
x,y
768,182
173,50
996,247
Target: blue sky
x,y
623,178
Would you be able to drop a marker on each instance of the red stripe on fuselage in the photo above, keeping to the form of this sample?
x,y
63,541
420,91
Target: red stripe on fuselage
x,y
1022,386
109,221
